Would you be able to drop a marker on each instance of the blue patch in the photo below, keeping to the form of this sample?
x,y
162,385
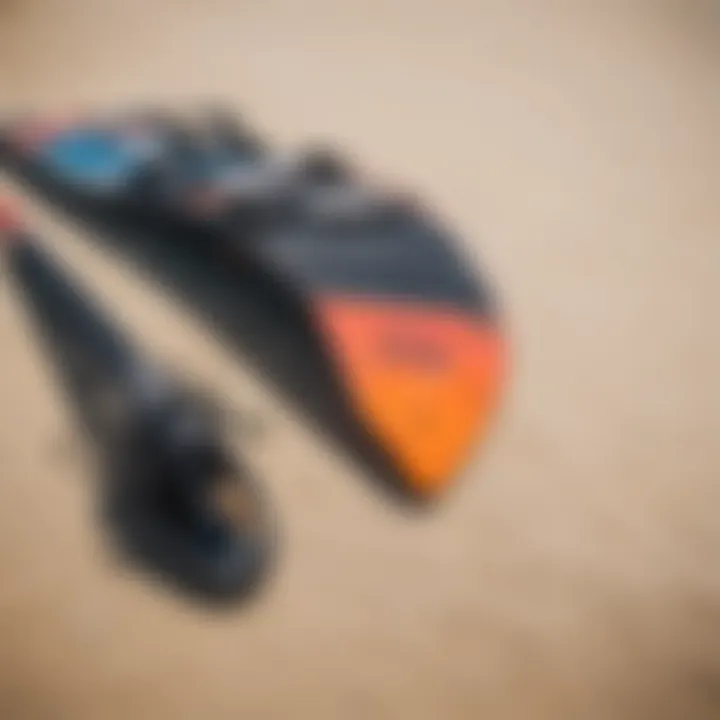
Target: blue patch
x,y
85,156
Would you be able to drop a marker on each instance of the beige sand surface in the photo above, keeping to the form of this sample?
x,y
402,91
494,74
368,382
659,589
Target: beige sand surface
x,y
575,572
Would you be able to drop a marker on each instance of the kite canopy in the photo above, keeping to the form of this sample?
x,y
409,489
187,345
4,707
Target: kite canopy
x,y
411,328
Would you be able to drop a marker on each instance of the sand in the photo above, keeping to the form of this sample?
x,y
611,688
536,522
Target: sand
x,y
573,574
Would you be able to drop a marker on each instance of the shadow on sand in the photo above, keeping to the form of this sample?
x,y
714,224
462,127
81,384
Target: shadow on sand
x,y
85,351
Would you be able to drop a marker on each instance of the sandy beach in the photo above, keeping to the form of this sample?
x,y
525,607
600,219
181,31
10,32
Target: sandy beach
x,y
573,574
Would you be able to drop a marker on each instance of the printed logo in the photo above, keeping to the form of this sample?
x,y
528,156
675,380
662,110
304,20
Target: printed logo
x,y
405,348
